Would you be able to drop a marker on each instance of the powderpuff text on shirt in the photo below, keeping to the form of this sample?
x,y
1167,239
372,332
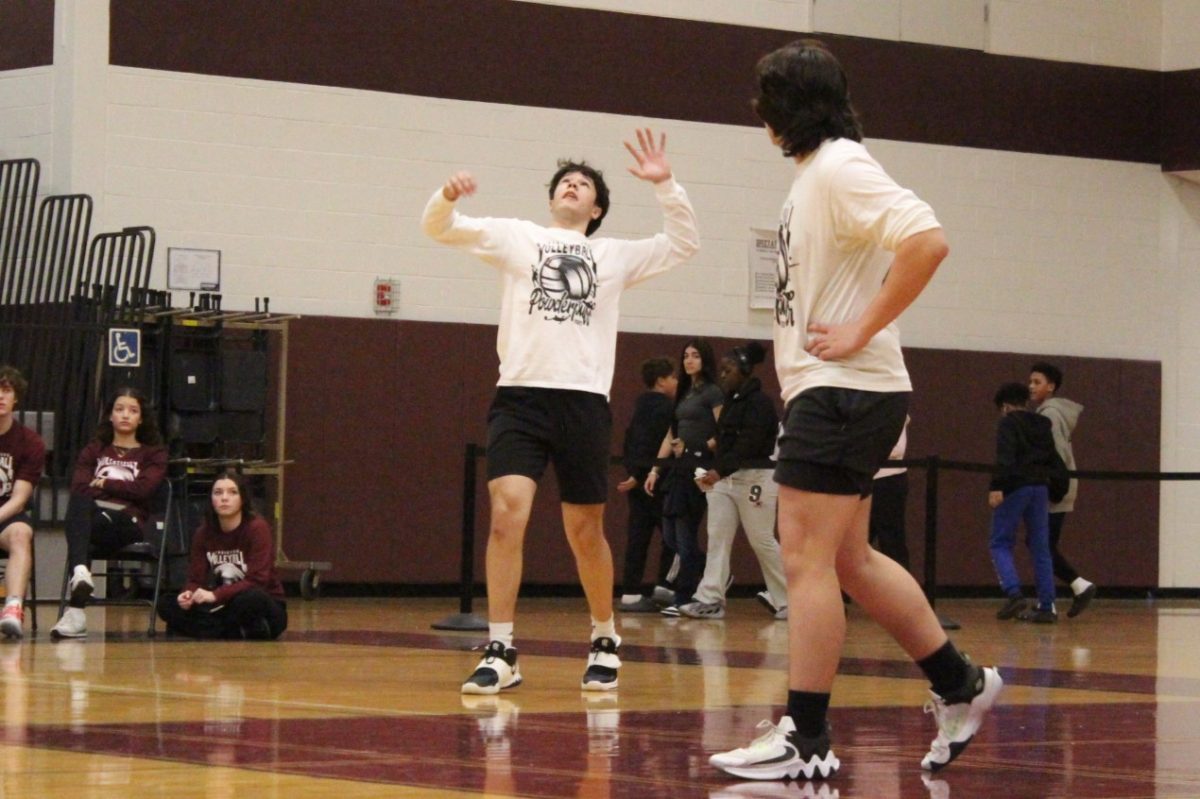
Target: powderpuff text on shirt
x,y
564,283
785,315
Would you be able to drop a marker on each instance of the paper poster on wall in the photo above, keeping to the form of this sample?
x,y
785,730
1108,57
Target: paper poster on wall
x,y
193,270
764,251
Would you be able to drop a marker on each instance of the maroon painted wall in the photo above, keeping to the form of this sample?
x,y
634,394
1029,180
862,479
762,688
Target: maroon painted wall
x,y
528,54
26,34
380,412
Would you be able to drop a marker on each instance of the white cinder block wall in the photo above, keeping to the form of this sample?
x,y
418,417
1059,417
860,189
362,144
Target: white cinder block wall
x,y
26,126
312,192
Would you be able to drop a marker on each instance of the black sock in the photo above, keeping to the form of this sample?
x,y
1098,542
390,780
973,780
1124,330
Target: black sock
x,y
808,711
947,669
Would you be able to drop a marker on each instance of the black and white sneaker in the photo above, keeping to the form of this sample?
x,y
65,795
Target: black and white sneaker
x,y
780,752
603,662
497,671
960,716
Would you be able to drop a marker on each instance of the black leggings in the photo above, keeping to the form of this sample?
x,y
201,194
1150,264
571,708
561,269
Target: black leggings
x,y
90,527
1063,569
252,614
645,514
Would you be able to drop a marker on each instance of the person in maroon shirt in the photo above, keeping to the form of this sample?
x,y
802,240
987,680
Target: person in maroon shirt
x,y
116,478
232,589
22,458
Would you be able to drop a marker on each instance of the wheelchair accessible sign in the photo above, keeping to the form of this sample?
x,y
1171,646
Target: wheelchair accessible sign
x,y
124,347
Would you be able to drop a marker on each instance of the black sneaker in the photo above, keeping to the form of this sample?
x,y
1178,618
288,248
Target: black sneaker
x,y
603,662
1014,607
497,671
1081,601
1039,616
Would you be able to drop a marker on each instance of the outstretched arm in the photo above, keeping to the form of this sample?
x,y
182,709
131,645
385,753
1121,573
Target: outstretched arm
x,y
651,157
460,184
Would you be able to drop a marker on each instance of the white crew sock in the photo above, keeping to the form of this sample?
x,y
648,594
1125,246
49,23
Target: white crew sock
x,y
1079,585
605,629
501,631
14,600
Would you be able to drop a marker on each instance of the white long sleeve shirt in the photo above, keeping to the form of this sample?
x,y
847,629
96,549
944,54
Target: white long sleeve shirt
x,y
561,290
842,220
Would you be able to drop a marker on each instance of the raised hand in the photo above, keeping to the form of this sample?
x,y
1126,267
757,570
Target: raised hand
x,y
651,157
460,184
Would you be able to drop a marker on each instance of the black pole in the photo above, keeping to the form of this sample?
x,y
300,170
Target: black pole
x,y
932,469
466,589
465,620
931,503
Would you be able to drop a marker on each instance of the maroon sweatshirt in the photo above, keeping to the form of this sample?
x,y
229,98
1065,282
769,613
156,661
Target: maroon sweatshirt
x,y
131,476
228,563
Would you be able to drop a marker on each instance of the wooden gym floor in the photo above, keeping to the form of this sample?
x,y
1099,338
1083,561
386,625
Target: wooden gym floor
x,y
360,699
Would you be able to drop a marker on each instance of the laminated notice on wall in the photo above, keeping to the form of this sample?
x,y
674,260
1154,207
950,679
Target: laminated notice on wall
x,y
764,252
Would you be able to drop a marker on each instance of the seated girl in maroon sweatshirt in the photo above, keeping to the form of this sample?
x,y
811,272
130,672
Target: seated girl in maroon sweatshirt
x,y
232,589
115,480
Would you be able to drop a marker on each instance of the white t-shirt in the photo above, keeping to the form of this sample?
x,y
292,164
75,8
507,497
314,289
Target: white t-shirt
x,y
561,290
843,218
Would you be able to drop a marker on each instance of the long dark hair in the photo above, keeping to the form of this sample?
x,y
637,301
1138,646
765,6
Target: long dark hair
x,y
708,366
147,431
804,97
239,480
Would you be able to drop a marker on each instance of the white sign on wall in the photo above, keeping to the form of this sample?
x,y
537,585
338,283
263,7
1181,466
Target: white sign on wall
x,y
763,254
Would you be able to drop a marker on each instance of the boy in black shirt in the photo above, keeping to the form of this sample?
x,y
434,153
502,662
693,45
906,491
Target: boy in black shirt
x,y
651,419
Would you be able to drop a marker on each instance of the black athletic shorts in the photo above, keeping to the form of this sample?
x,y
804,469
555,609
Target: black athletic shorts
x,y
835,439
527,427
23,516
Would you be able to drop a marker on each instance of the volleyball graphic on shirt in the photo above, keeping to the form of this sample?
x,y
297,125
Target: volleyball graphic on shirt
x,y
228,572
564,283
566,277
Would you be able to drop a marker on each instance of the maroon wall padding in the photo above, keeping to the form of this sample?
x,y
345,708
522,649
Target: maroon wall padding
x,y
557,57
380,412
1181,123
26,34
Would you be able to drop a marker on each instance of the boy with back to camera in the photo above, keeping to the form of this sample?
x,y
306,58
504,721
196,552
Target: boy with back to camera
x,y
1024,447
845,226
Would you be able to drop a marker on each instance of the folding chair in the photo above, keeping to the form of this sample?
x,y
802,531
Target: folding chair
x,y
164,517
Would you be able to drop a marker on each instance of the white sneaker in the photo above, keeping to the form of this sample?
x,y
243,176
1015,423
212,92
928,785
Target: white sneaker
x,y
497,670
80,587
778,612
602,664
959,721
777,790
702,610
73,624
780,752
